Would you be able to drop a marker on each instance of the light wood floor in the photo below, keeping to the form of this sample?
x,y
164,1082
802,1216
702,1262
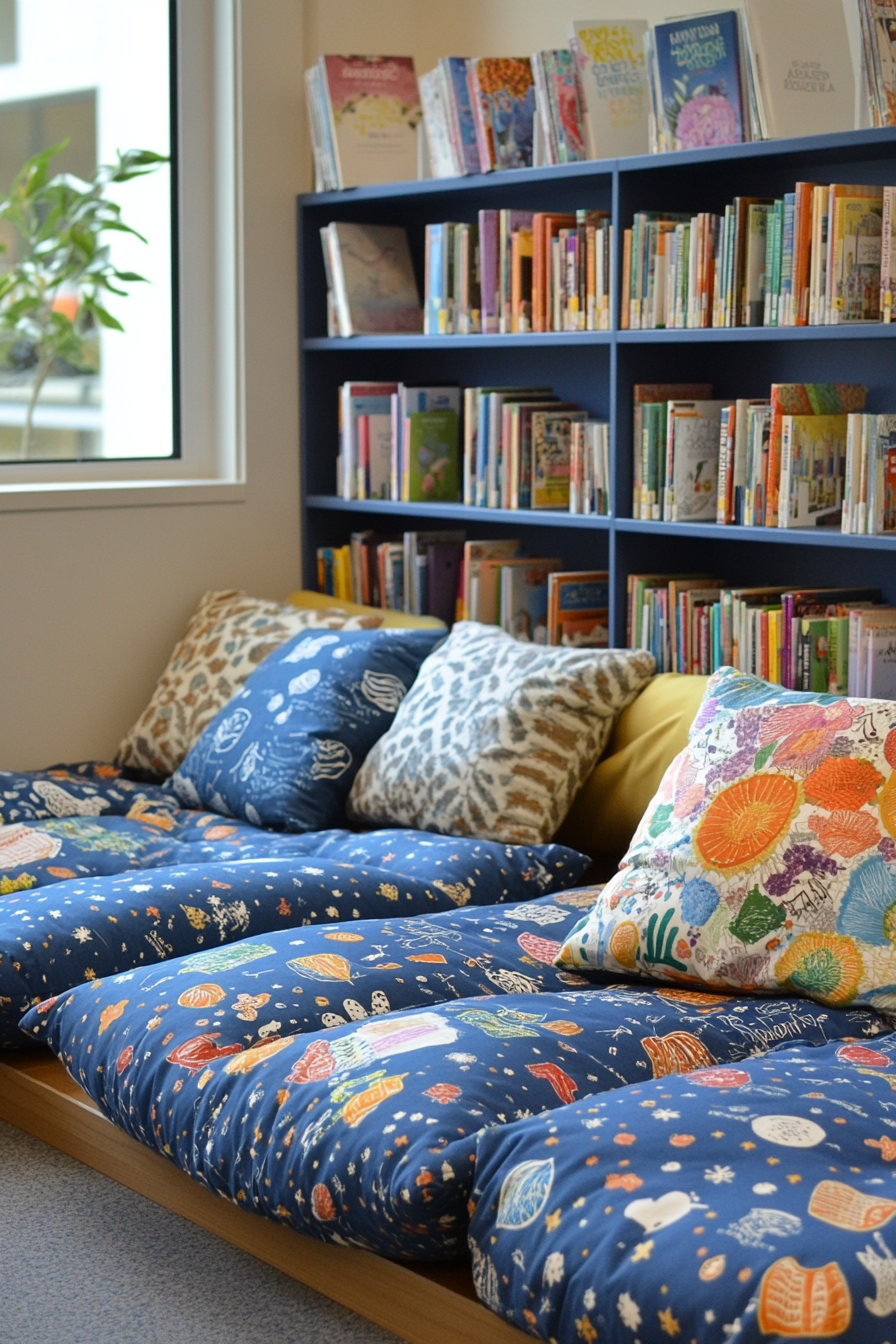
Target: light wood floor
x,y
425,1304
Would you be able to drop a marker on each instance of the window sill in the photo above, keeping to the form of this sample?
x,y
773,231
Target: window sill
x,y
37,497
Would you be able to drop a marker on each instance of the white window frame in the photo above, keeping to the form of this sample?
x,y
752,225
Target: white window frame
x,y
212,465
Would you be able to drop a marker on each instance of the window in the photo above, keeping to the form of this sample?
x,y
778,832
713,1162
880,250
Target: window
x,y
97,74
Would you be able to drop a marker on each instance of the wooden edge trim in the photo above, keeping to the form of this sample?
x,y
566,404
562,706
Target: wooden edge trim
x,y
421,1304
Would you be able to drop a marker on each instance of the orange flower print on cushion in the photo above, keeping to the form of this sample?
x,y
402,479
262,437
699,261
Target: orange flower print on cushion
x,y
826,966
845,833
745,822
887,805
843,783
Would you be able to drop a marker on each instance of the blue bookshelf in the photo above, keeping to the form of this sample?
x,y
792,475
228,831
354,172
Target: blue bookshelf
x,y
599,369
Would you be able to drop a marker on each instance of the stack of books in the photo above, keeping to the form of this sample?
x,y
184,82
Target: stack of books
x,y
494,447
363,112
878,20
519,271
836,640
821,255
758,72
440,573
803,457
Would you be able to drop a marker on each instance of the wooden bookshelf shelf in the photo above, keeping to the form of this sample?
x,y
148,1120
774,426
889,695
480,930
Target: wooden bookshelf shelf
x,y
599,369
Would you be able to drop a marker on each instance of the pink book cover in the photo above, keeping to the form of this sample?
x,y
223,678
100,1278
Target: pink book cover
x,y
375,108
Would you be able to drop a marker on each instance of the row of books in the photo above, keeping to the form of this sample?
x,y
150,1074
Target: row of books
x,y
519,271
619,87
440,573
822,255
837,640
805,456
492,447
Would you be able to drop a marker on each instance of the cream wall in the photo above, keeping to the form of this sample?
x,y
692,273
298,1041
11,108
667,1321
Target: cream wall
x,y
92,600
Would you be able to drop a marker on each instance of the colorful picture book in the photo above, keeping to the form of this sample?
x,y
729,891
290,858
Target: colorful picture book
x,y
869,491
364,112
698,81
578,609
613,76
878,23
502,94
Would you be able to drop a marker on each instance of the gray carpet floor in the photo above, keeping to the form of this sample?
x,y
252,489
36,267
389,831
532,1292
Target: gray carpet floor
x,y
86,1261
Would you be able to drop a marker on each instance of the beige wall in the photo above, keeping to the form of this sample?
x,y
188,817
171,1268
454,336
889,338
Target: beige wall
x,y
92,600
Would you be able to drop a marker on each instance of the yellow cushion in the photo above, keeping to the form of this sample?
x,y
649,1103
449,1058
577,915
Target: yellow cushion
x,y
648,737
391,619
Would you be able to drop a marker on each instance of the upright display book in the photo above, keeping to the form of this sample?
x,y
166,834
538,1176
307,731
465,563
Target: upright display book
x,y
813,457
461,124
803,66
578,609
699,72
613,75
559,105
432,448
435,120
502,91
374,110
551,445
878,23
693,447
373,279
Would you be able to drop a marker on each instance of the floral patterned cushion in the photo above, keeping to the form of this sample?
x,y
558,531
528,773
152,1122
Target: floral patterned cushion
x,y
227,637
496,736
767,859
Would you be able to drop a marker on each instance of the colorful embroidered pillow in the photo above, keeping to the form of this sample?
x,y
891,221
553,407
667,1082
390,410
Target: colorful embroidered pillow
x,y
496,737
767,860
283,753
227,637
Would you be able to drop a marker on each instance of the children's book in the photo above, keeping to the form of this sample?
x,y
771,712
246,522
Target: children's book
x,y
856,226
461,126
693,460
802,399
578,607
432,452
524,599
566,112
888,252
374,110
803,66
610,58
475,552
699,71
357,402
502,91
435,120
880,664
419,577
373,279
551,440
374,455
813,459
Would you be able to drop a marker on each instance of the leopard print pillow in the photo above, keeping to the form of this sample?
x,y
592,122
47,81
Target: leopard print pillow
x,y
227,637
495,737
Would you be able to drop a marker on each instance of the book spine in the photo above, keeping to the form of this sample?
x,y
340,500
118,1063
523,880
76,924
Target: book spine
x,y
488,262
481,121
785,302
802,249
784,500
624,306
886,255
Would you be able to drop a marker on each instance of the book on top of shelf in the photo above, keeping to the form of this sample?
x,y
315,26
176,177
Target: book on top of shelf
x,y
502,93
878,24
436,124
374,283
461,125
373,106
610,58
524,599
803,66
559,105
698,63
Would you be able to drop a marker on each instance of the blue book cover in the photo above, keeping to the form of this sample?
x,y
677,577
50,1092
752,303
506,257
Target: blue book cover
x,y
435,313
698,62
460,111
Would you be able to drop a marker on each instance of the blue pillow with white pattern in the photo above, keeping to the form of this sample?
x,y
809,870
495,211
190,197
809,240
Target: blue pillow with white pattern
x,y
283,753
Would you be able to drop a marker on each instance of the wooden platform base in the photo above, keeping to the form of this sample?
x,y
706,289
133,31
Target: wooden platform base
x,y
421,1304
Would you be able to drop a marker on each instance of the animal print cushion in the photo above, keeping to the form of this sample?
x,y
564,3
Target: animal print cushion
x,y
496,736
227,637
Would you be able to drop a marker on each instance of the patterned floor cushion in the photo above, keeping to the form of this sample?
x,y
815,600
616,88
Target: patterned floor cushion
x,y
751,1202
